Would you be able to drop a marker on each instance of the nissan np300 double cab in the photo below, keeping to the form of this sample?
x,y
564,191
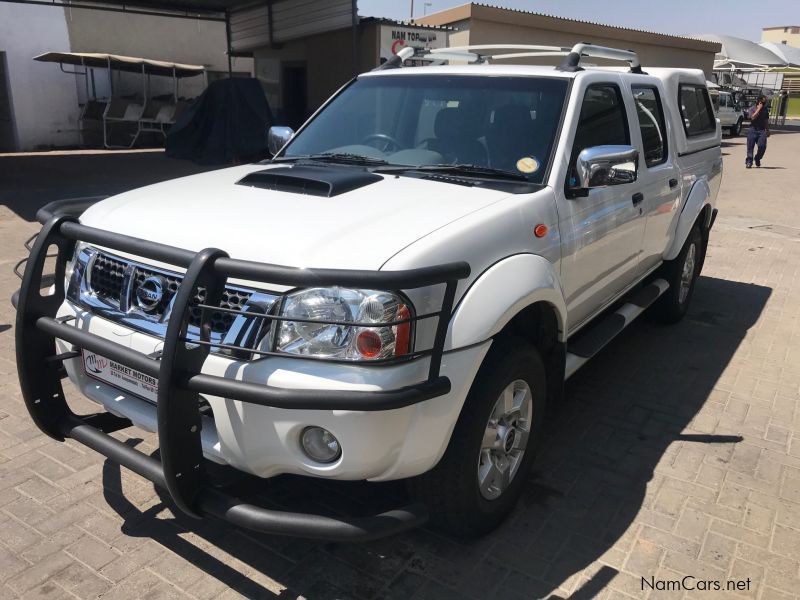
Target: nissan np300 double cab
x,y
397,294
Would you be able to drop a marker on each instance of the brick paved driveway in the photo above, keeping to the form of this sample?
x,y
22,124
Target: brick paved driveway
x,y
677,453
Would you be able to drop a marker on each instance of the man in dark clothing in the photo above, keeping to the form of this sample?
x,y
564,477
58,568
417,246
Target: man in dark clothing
x,y
758,132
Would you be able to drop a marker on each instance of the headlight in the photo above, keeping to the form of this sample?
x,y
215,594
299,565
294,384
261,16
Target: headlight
x,y
361,328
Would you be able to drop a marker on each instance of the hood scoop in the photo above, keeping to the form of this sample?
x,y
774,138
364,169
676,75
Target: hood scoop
x,y
326,181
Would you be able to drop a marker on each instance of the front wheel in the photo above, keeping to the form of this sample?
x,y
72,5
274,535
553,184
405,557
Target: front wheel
x,y
735,129
681,273
483,471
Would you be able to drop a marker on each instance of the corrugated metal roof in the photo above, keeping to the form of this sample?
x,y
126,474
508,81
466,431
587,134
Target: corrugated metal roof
x,y
385,21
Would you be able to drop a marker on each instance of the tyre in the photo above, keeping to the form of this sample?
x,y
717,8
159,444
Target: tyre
x,y
484,469
735,129
681,273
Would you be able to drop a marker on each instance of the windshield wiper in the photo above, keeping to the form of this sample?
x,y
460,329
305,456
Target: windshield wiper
x,y
338,157
465,169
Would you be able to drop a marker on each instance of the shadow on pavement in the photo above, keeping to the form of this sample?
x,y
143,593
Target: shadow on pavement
x,y
29,181
625,413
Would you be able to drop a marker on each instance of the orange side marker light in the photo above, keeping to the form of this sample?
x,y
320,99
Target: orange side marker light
x,y
540,230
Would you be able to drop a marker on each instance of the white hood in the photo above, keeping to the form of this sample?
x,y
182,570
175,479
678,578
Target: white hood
x,y
360,229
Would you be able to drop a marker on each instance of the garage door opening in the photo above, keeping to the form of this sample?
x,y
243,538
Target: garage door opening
x,y
295,95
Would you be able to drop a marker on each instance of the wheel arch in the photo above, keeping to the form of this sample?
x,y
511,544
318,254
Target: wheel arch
x,y
500,293
697,209
518,297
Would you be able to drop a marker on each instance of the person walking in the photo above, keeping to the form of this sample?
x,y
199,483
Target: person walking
x,y
758,132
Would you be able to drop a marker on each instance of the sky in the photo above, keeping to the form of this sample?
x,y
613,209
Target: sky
x,y
677,17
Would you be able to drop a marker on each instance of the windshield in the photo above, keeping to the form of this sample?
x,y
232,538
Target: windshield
x,y
503,123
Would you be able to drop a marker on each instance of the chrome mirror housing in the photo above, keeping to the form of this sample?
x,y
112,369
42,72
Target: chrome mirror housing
x,y
278,137
601,166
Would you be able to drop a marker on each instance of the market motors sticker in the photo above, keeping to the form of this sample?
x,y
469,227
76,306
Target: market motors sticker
x,y
120,376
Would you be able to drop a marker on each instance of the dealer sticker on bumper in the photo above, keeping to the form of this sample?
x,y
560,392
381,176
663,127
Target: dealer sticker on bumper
x,y
120,376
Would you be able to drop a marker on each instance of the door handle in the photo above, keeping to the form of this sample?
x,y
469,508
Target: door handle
x,y
673,183
637,198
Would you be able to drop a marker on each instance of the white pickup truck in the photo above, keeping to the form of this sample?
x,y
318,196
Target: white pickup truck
x,y
398,294
729,112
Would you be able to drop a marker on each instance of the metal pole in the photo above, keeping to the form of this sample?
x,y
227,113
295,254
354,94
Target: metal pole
x,y
354,11
228,42
411,18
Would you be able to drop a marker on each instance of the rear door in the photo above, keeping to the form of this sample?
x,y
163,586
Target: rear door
x,y
726,113
601,231
658,173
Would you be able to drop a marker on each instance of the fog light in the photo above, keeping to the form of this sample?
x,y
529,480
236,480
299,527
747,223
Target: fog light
x,y
320,444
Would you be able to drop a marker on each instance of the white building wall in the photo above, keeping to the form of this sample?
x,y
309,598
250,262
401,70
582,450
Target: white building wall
x,y
44,100
192,41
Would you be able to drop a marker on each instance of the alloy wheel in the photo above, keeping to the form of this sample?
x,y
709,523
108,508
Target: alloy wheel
x,y
505,439
687,275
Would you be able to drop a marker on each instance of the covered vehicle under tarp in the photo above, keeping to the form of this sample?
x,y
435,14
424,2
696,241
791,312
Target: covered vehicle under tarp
x,y
228,122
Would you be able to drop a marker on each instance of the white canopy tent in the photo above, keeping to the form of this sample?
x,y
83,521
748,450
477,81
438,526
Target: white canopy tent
x,y
132,64
741,54
133,116
752,69
790,54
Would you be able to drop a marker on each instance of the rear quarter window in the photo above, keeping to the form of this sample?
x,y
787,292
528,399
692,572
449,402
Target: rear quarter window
x,y
696,110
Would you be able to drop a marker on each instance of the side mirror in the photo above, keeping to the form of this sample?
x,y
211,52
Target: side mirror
x,y
277,137
602,166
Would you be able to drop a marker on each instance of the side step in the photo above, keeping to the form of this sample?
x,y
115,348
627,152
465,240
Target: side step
x,y
591,341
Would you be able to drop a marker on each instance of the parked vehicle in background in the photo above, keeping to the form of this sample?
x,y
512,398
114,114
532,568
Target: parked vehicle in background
x,y
416,272
729,113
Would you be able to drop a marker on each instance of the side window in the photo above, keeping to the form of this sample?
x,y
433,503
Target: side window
x,y
698,116
717,101
651,124
602,121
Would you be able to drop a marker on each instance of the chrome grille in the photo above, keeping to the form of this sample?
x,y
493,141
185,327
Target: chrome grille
x,y
107,285
108,281
108,277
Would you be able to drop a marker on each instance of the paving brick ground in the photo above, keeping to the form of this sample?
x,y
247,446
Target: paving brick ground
x,y
677,454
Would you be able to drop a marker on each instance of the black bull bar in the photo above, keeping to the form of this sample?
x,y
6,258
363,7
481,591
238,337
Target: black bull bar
x,y
180,382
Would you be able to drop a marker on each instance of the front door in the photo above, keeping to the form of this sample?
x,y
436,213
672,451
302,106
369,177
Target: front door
x,y
601,231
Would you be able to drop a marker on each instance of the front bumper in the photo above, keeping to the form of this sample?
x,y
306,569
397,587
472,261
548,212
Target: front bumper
x,y
179,371
377,445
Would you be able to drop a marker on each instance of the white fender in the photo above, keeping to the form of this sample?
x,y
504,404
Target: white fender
x,y
501,292
699,197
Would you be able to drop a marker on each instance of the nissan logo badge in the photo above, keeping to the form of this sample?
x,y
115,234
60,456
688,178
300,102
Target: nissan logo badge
x,y
150,293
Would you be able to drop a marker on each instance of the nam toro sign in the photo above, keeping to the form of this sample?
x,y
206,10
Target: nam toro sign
x,y
394,39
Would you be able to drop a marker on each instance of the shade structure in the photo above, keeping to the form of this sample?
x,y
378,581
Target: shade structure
x,y
790,54
121,63
743,54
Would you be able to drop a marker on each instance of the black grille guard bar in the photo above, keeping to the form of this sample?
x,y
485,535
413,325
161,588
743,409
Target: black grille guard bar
x,y
181,470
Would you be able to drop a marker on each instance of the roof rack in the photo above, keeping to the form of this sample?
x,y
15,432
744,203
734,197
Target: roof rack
x,y
486,52
573,60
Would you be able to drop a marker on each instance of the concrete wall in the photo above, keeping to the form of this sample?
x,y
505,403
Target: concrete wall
x,y
491,25
189,41
328,58
487,32
44,100
778,35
